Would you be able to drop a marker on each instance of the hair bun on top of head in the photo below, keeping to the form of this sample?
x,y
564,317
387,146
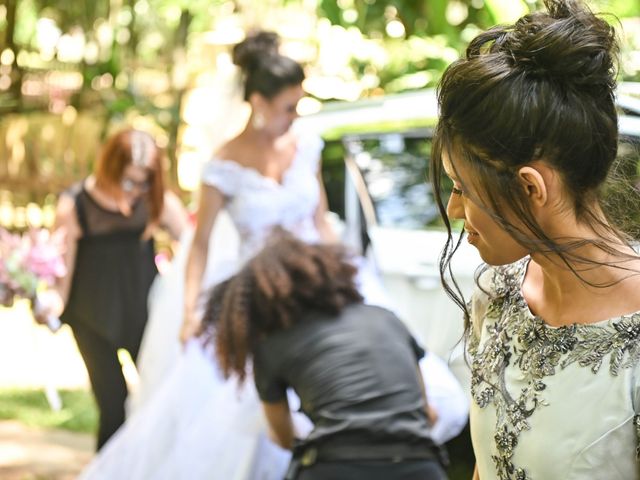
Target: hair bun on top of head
x,y
257,45
568,43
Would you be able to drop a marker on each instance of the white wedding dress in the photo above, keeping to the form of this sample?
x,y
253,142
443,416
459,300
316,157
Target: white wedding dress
x,y
185,420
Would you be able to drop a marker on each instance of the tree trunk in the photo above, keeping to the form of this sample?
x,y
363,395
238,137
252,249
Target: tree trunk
x,y
15,90
179,57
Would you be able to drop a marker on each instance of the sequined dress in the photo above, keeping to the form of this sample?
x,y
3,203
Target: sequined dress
x,y
551,402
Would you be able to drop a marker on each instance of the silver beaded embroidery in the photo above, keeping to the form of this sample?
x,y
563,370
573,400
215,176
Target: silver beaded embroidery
x,y
538,353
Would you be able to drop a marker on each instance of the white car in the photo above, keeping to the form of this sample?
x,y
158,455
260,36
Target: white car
x,y
390,215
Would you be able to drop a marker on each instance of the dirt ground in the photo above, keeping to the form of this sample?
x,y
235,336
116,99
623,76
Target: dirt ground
x,y
30,453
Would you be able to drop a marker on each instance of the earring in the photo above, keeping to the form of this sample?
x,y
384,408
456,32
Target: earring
x,y
258,121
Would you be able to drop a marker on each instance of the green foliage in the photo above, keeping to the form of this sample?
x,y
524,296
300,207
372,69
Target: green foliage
x,y
71,14
416,63
371,17
435,32
620,8
148,51
78,413
26,28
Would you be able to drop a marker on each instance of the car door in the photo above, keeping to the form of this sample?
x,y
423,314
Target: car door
x,y
383,196
388,196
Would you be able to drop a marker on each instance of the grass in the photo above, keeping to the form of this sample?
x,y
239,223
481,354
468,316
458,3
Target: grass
x,y
30,407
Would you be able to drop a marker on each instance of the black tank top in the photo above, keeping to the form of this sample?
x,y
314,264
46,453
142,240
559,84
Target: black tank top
x,y
113,272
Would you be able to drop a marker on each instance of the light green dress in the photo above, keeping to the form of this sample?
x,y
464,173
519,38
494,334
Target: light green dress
x,y
551,403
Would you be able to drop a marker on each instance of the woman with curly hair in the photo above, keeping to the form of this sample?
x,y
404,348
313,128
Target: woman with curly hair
x,y
295,310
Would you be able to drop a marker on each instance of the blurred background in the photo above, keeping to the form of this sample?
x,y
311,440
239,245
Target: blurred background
x,y
71,72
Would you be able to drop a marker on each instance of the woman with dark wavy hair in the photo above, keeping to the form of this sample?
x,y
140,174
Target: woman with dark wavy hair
x,y
295,310
528,134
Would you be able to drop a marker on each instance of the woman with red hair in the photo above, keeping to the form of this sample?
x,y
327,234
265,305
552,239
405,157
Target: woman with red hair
x,y
109,220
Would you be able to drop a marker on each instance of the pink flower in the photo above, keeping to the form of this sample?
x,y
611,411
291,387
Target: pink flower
x,y
44,256
28,261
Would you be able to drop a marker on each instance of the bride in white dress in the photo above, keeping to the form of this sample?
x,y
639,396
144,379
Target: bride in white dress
x,y
187,421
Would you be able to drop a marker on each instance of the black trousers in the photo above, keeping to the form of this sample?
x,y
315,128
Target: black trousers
x,y
107,381
374,470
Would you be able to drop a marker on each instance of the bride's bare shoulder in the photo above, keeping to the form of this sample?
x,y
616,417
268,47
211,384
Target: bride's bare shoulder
x,y
233,150
226,151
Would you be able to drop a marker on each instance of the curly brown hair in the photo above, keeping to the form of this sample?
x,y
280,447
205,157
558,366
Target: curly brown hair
x,y
273,291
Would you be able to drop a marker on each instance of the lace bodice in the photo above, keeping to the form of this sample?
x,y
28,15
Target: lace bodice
x,y
550,402
257,204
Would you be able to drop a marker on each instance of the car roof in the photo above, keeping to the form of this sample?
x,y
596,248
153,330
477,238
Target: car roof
x,y
366,114
628,98
403,111
629,126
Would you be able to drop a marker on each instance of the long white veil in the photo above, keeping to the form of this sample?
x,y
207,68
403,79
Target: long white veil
x,y
214,109
215,112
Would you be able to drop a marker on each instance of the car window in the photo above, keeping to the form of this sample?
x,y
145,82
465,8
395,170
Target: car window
x,y
394,168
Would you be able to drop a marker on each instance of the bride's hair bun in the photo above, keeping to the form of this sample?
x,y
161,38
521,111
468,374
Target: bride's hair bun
x,y
265,70
252,50
568,44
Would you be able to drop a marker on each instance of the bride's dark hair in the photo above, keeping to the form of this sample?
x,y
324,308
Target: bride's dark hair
x,y
541,89
266,71
286,280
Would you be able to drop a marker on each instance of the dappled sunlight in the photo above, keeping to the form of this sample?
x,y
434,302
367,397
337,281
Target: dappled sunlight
x,y
72,73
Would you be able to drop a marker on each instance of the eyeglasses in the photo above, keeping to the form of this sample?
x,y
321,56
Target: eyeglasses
x,y
128,185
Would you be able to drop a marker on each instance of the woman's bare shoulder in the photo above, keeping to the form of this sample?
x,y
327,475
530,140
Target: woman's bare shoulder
x,y
231,150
